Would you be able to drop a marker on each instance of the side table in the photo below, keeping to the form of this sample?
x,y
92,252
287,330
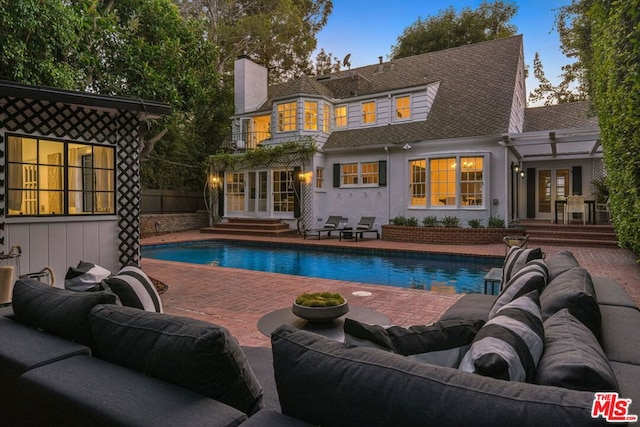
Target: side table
x,y
493,277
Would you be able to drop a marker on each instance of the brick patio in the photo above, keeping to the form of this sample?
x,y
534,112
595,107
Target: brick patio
x,y
236,299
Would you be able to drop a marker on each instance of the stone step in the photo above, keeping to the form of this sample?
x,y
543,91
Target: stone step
x,y
248,232
252,225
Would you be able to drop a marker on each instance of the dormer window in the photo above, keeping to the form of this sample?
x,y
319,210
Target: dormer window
x,y
369,112
403,108
310,115
287,113
340,114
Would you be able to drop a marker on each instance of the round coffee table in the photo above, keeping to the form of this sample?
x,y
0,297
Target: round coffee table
x,y
333,330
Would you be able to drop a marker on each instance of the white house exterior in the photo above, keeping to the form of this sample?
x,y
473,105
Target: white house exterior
x,y
435,134
69,177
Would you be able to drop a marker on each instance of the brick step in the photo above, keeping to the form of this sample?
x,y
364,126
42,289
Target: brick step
x,y
248,232
252,225
569,228
572,242
235,220
570,235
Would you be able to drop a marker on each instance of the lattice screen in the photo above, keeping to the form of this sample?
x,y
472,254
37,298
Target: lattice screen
x,y
307,206
80,124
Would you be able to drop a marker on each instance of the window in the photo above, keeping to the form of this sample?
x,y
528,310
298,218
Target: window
x,y
403,107
453,181
471,181
340,114
369,112
283,195
261,129
235,191
326,118
319,178
287,116
369,173
310,115
46,177
443,181
418,182
350,174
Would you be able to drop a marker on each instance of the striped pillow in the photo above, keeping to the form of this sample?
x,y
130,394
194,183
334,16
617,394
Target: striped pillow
x,y
533,276
509,345
85,277
516,259
133,288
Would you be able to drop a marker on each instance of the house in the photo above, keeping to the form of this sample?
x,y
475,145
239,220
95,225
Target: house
x,y
445,133
70,176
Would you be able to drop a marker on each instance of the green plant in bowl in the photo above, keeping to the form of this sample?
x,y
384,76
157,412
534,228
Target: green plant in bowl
x,y
320,306
320,299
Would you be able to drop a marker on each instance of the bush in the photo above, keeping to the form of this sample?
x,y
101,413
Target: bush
x,y
451,222
399,220
495,222
475,223
430,221
412,221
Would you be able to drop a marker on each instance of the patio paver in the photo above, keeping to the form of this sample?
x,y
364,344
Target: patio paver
x,y
236,299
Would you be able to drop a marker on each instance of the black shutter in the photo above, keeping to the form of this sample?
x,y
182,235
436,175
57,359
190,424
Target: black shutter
x,y
576,186
297,195
382,173
531,192
336,175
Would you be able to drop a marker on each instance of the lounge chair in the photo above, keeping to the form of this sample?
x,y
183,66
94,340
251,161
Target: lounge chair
x,y
365,225
331,225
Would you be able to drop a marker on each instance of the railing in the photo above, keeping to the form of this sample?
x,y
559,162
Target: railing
x,y
241,142
168,201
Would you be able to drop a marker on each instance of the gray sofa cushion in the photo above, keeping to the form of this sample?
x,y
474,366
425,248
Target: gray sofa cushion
x,y
532,277
627,375
58,311
441,343
510,344
85,391
561,262
197,355
324,382
574,290
572,357
620,326
470,306
609,292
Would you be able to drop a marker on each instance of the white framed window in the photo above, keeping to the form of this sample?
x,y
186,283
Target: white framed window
x,y
403,107
449,182
235,191
349,174
326,118
310,115
283,194
49,177
365,174
369,173
369,112
340,114
319,178
287,115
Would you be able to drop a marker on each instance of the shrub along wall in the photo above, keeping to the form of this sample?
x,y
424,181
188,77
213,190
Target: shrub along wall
x,y
446,236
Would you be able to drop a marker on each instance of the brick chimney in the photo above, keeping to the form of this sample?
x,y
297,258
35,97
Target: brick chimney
x,y
250,85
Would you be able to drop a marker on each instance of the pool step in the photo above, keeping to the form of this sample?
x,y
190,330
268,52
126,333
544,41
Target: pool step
x,y
250,227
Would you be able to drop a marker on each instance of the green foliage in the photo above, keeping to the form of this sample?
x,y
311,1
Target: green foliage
x,y
475,223
430,221
495,222
616,84
490,21
412,221
600,190
399,220
286,154
451,221
320,299
562,93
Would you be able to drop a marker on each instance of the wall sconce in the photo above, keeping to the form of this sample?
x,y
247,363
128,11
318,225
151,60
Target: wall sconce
x,y
214,180
406,146
515,167
522,173
305,177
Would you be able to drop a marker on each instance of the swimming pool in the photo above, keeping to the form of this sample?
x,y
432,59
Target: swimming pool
x,y
448,273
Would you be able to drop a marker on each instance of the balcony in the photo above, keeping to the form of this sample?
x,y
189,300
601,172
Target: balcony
x,y
244,141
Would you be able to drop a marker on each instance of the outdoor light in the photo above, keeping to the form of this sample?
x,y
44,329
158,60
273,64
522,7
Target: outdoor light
x,y
522,174
214,180
516,167
305,177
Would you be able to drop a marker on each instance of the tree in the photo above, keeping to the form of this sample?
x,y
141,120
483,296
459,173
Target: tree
x,y
560,94
325,64
279,34
449,29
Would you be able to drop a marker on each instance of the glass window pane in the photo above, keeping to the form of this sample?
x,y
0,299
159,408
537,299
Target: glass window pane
x,y
51,152
471,181
443,181
51,203
417,182
103,157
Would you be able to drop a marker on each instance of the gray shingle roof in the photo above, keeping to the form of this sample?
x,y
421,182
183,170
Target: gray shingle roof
x,y
561,116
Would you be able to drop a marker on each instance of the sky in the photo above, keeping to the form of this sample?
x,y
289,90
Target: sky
x,y
368,28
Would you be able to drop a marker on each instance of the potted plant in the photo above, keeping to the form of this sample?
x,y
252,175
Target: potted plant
x,y
320,306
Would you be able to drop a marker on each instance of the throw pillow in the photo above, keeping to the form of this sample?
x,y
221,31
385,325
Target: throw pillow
x,y
510,344
532,276
516,259
442,343
197,355
572,357
85,277
58,311
574,290
134,289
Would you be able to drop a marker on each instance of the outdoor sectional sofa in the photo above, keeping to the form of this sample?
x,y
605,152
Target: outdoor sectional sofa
x,y
101,364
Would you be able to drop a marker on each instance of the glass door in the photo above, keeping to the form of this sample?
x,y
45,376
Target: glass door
x,y
553,184
258,193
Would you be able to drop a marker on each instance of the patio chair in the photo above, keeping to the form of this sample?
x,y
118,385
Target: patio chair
x,y
575,205
332,224
602,211
365,225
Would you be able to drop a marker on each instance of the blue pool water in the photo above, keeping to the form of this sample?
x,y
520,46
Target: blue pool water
x,y
402,269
